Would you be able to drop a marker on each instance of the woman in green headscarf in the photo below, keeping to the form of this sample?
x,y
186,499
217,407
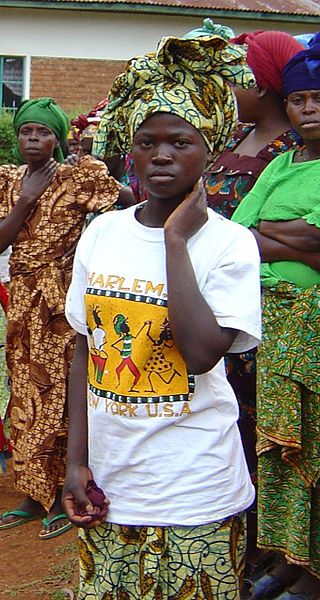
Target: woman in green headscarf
x,y
44,111
43,207
163,443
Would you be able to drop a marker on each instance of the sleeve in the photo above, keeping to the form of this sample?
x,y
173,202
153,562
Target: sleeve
x,y
233,292
7,174
94,189
313,217
248,211
75,310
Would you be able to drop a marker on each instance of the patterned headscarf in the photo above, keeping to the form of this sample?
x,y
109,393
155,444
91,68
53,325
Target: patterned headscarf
x,y
302,72
187,77
46,112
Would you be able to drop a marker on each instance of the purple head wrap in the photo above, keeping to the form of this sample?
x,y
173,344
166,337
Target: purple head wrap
x,y
302,72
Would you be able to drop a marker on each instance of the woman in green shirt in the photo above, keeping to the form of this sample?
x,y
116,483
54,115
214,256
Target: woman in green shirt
x,y
283,212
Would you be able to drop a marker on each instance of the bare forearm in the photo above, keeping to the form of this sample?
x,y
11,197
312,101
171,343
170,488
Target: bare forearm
x,y
274,251
297,234
77,404
199,338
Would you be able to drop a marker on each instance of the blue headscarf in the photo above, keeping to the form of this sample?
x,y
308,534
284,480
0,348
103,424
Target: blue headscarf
x,y
302,72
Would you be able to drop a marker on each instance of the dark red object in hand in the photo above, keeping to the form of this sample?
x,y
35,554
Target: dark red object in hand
x,y
95,494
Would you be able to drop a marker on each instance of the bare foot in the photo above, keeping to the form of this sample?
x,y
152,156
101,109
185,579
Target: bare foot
x,y
28,505
56,521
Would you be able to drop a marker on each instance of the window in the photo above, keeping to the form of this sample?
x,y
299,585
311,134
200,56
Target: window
x,y
11,81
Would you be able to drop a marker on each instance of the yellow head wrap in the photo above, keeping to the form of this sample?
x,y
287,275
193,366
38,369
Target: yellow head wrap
x,y
189,77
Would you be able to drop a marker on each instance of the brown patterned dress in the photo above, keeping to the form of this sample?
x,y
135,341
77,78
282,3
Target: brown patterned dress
x,y
40,342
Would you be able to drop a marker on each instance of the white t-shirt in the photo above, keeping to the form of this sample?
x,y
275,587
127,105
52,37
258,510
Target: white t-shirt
x,y
163,445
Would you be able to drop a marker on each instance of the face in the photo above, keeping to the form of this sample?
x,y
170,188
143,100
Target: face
x,y
36,142
86,146
169,156
303,109
73,146
248,103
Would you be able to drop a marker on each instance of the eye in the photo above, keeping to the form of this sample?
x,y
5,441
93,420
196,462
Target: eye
x,y
296,100
146,144
182,143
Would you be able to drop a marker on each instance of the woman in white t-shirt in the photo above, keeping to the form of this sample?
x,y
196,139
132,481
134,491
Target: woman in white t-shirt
x,y
157,478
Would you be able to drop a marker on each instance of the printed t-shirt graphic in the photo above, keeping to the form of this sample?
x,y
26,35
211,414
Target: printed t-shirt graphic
x,y
136,360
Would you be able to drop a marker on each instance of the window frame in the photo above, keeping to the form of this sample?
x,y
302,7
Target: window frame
x,y
3,57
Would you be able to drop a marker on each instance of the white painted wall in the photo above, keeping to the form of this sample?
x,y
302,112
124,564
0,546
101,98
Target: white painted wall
x,y
115,36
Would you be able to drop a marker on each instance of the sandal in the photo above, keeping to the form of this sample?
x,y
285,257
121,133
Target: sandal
x,y
24,515
55,532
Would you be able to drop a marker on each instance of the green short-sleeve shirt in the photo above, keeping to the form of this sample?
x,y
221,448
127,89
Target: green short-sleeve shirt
x,y
284,191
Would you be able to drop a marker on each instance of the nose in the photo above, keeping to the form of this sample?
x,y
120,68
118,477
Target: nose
x,y
33,135
309,106
162,154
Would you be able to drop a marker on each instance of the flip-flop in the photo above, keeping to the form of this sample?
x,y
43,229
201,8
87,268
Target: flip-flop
x,y
51,534
24,518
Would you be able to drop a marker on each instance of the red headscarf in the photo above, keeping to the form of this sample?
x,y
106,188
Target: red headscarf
x,y
268,53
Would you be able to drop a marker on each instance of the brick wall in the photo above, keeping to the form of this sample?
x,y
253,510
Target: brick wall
x,y
75,84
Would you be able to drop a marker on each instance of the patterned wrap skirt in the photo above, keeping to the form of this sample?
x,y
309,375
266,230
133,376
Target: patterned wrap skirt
x,y
160,563
288,402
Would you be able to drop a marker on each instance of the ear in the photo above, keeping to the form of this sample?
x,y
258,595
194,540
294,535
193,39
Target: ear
x,y
262,92
57,144
285,103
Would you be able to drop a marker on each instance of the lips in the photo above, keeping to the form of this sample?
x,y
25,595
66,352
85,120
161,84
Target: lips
x,y
310,124
157,174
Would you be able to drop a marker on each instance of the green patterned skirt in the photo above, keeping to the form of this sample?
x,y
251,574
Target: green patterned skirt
x,y
162,563
288,404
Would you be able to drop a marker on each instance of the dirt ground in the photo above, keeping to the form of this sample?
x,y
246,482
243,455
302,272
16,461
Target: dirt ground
x,y
30,568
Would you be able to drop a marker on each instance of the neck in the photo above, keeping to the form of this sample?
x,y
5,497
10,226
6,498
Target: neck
x,y
35,165
275,122
154,213
312,150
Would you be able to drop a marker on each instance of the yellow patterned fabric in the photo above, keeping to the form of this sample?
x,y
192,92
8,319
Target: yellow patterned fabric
x,y
189,77
39,340
163,563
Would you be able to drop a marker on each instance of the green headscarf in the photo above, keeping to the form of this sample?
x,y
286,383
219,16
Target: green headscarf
x,y
189,77
210,28
46,112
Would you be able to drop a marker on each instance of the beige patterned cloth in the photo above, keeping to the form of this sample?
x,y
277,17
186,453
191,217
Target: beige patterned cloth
x,y
40,342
